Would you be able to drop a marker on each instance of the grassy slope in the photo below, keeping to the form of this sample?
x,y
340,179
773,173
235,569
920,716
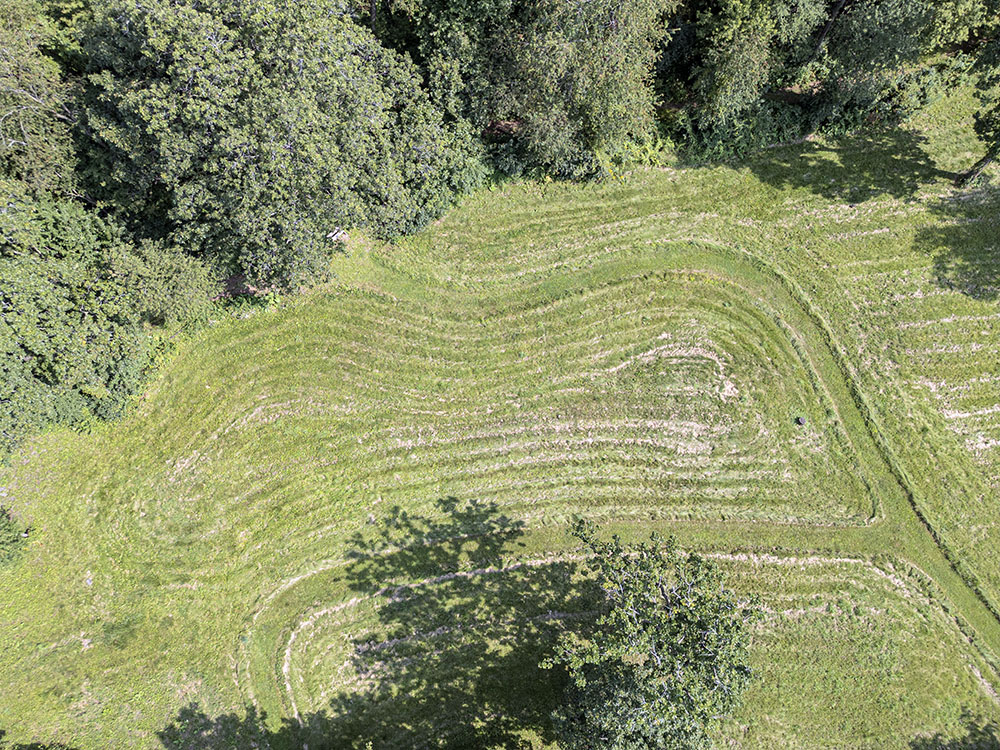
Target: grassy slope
x,y
633,352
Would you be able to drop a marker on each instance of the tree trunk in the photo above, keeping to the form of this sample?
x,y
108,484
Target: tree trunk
x,y
972,175
826,29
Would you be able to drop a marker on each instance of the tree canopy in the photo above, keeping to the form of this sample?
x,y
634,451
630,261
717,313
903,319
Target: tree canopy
x,y
249,134
666,658
987,119
548,83
35,144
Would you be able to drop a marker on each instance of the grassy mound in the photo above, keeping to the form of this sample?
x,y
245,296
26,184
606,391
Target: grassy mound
x,y
272,532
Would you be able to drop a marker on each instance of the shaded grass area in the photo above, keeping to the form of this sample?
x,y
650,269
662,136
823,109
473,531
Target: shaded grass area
x,y
636,353
429,634
443,646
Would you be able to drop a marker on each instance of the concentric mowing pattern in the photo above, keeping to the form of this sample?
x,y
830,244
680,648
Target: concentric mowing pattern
x,y
667,393
673,394
621,354
424,663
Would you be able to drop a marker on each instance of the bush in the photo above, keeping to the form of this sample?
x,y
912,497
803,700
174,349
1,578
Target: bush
x,y
249,133
176,288
74,295
765,124
958,21
871,46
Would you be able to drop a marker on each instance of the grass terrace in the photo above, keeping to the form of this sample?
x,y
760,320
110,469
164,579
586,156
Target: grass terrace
x,y
348,514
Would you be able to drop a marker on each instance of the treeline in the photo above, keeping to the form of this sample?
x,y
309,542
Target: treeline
x,y
152,149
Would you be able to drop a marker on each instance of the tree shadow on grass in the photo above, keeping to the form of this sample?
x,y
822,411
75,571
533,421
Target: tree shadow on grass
x,y
450,658
453,660
193,728
4,745
979,735
965,242
852,169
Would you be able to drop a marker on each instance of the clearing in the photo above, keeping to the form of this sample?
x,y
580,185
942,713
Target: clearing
x,y
351,512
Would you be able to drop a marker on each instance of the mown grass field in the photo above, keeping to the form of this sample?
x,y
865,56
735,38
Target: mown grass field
x,y
350,513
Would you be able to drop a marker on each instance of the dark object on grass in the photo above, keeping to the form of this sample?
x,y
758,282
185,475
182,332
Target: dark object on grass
x,y
800,420
12,536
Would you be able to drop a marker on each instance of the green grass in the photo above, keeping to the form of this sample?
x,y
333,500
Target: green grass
x,y
635,352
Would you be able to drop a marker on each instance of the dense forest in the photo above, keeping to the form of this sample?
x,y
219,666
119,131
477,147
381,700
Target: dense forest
x,y
155,156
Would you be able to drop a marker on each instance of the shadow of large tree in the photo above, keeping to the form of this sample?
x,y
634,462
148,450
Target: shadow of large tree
x,y
462,626
964,238
979,735
451,657
855,168
193,728
4,745
965,242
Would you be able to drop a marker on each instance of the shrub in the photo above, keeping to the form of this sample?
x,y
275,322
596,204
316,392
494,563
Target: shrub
x,y
176,288
958,21
751,72
74,294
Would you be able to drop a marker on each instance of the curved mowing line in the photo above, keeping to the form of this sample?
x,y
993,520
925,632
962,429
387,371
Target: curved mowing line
x,y
393,590
876,431
797,351
906,590
839,359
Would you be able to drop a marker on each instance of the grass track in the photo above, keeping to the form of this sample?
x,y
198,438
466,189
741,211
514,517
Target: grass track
x,y
636,353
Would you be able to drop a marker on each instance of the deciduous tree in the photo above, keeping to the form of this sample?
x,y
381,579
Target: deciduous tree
x,y
666,658
35,110
249,133
550,83
987,119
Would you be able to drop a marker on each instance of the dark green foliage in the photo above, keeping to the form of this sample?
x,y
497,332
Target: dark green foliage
x,y
249,133
870,45
175,288
583,74
12,536
550,83
987,123
667,657
736,60
35,142
986,69
74,295
750,73
959,22
67,18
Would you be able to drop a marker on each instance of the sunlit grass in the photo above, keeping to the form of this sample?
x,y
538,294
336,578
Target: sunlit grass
x,y
640,353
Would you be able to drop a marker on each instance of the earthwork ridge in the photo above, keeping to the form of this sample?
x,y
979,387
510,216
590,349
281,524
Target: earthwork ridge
x,y
350,512
660,368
